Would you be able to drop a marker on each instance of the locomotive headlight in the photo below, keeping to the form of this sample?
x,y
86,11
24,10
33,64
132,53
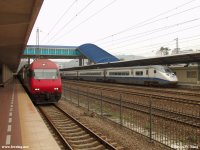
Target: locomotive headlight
x,y
37,89
56,89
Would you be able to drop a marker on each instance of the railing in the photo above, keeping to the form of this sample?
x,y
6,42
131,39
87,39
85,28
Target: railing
x,y
47,51
174,124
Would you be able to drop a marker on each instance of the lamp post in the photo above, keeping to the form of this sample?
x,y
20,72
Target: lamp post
x,y
37,43
177,49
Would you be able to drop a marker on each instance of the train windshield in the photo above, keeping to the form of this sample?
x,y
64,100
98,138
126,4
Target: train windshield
x,y
45,74
165,69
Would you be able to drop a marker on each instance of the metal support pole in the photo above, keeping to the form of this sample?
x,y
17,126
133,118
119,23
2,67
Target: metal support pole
x,y
63,88
88,100
78,97
177,47
70,98
150,118
121,110
37,43
101,105
198,73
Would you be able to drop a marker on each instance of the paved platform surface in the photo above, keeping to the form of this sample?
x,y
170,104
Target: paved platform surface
x,y
21,127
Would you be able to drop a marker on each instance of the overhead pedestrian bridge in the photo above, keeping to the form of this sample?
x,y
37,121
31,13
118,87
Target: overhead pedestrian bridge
x,y
86,51
54,52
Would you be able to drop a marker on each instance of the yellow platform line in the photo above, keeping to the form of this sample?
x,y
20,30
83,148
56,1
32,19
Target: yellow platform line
x,y
35,134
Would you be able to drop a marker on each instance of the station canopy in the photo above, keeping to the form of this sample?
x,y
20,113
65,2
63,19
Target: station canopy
x,y
164,60
17,18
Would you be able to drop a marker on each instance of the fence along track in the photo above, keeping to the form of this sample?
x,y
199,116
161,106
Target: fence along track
x,y
73,134
143,88
171,127
139,93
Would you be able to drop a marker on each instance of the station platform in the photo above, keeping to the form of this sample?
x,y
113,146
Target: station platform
x,y
21,126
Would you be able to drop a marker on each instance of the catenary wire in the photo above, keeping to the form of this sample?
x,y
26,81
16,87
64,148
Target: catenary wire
x,y
72,19
59,19
97,12
145,21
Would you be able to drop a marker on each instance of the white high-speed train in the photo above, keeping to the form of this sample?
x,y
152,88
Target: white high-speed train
x,y
142,75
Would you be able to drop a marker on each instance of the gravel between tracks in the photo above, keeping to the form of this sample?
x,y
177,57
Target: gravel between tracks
x,y
129,140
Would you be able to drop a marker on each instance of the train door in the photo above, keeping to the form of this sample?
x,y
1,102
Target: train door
x,y
152,76
151,73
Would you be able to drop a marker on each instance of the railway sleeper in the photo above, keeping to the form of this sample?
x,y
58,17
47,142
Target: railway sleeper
x,y
86,145
55,116
76,142
71,130
66,124
76,133
70,127
77,137
61,124
99,147
62,121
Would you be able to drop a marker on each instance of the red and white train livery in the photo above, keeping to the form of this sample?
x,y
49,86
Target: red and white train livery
x,y
42,80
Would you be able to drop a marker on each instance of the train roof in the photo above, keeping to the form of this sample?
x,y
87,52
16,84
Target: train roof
x,y
43,63
113,68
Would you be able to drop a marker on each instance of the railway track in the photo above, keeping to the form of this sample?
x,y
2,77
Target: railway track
x,y
174,115
163,90
187,119
72,133
153,106
144,93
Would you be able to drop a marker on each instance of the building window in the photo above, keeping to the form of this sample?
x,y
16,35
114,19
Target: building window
x,y
191,74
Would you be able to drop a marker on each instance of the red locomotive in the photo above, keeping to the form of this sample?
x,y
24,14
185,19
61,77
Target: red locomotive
x,y
42,80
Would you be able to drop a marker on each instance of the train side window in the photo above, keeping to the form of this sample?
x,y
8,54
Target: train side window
x,y
154,71
139,73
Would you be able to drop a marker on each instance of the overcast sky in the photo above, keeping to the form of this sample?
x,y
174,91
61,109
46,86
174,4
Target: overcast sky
x,y
136,27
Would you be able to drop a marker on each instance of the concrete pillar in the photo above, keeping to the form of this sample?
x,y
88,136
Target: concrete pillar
x,y
80,62
5,74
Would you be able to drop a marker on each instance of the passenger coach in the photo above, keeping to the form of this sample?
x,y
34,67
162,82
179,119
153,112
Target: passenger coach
x,y
142,75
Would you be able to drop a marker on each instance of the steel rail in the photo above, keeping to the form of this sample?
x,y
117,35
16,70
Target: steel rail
x,y
158,112
92,134
144,88
168,98
64,141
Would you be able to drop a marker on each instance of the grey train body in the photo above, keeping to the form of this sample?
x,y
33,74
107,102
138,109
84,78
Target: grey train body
x,y
141,75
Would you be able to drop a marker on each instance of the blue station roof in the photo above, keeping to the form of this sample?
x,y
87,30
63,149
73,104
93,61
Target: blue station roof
x,y
96,54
